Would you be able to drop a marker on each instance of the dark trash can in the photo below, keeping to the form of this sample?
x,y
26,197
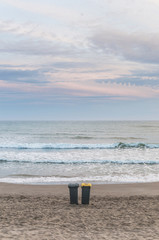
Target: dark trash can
x,y
86,192
73,188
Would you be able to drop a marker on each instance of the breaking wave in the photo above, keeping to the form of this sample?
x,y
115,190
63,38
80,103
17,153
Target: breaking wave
x,y
66,162
58,146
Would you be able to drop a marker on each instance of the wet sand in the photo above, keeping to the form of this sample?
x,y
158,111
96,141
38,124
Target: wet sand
x,y
116,211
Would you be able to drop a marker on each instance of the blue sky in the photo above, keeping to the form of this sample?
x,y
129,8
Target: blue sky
x,y
86,60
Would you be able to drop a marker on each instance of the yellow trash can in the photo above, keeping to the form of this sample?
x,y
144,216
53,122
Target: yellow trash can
x,y
86,192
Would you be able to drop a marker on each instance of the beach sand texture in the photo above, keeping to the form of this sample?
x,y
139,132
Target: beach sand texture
x,y
123,211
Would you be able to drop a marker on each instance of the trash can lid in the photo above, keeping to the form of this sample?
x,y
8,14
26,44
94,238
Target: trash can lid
x,y
73,185
86,185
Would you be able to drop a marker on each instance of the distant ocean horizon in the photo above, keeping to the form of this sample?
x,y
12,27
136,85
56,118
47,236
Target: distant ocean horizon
x,y
59,152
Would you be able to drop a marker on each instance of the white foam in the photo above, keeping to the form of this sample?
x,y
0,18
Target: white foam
x,y
101,179
76,146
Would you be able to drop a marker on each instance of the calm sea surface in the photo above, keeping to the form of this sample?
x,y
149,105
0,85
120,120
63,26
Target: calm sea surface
x,y
63,152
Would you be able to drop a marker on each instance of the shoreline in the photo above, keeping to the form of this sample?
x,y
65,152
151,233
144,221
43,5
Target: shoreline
x,y
121,189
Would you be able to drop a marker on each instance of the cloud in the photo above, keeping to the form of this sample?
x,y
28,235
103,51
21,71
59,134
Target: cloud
x,y
32,39
133,81
109,89
35,39
60,56
47,8
137,47
33,47
35,77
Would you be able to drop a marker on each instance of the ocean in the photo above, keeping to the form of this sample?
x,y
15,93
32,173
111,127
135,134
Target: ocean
x,y
60,152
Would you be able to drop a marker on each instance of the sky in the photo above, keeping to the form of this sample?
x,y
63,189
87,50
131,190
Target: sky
x,y
79,60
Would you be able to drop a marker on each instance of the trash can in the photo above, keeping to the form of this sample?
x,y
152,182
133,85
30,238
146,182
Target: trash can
x,y
73,188
86,192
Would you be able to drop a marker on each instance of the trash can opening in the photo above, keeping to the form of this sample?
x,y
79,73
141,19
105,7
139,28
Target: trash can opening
x,y
73,185
86,185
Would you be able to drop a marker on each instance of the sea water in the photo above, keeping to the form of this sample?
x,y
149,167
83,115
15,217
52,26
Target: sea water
x,y
79,151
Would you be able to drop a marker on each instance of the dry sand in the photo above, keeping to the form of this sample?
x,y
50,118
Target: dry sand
x,y
123,211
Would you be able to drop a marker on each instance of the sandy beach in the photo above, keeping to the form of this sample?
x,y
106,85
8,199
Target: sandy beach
x,y
116,211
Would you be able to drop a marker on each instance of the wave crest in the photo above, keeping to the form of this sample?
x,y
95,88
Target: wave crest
x,y
80,162
58,146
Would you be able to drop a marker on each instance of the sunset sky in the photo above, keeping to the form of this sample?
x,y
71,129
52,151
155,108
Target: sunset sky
x,y
79,60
